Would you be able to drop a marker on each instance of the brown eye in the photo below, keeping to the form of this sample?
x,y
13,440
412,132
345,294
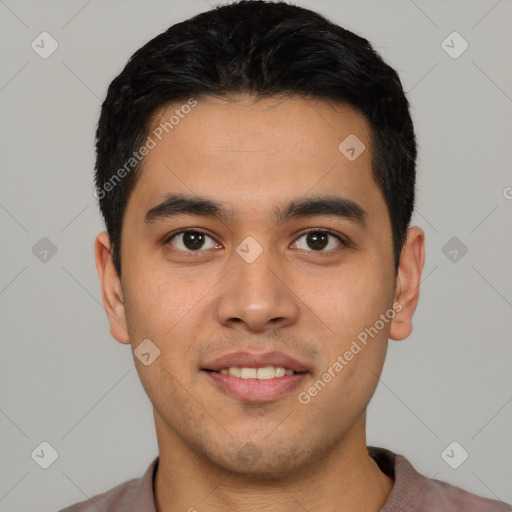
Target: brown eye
x,y
318,241
191,241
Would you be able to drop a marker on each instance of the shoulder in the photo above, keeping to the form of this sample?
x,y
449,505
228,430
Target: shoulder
x,y
415,492
446,497
108,501
131,496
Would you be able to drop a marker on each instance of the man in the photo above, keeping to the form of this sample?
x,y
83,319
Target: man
x,y
256,172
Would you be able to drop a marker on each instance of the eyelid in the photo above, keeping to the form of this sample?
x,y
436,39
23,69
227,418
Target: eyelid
x,y
186,230
335,234
343,240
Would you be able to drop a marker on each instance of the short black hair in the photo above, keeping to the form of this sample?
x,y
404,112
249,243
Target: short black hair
x,y
264,49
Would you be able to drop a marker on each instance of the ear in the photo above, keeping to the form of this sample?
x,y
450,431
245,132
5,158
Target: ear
x,y
407,292
111,290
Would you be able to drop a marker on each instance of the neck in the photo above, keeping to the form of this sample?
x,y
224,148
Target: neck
x,y
344,479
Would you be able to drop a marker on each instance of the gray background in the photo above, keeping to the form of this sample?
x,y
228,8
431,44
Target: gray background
x,y
64,380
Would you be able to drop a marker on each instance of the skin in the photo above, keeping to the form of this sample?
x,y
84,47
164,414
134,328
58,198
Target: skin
x,y
311,304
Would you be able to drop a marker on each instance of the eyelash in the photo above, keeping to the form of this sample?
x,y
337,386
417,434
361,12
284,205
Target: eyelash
x,y
344,242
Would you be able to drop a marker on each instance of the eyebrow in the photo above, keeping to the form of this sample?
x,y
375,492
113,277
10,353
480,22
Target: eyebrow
x,y
181,204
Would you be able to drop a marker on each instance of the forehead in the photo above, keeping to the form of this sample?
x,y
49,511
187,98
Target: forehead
x,y
249,154
242,124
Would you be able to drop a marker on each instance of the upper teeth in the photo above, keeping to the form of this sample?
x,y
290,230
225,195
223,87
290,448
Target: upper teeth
x,y
267,372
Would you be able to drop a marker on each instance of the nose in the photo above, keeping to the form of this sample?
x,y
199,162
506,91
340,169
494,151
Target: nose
x,y
257,296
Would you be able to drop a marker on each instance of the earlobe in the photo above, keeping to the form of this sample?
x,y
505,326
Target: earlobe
x,y
111,289
412,259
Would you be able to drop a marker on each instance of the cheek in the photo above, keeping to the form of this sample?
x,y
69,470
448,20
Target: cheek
x,y
160,299
354,361
349,313
348,300
168,309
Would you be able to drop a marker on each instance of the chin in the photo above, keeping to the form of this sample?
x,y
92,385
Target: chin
x,y
262,463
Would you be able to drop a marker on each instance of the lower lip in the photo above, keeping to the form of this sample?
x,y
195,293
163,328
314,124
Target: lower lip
x,y
256,390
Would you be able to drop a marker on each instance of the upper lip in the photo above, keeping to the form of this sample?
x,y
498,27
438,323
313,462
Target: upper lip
x,y
260,360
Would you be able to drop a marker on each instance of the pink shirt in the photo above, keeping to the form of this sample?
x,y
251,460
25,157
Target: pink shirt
x,y
412,492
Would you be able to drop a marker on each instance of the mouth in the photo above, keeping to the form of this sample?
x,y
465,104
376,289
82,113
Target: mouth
x,y
255,377
263,373
263,388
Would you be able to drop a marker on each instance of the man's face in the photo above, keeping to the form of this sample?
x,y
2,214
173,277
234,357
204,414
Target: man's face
x,y
198,297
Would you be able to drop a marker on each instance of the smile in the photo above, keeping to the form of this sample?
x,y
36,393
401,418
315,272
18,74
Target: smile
x,y
263,373
255,384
